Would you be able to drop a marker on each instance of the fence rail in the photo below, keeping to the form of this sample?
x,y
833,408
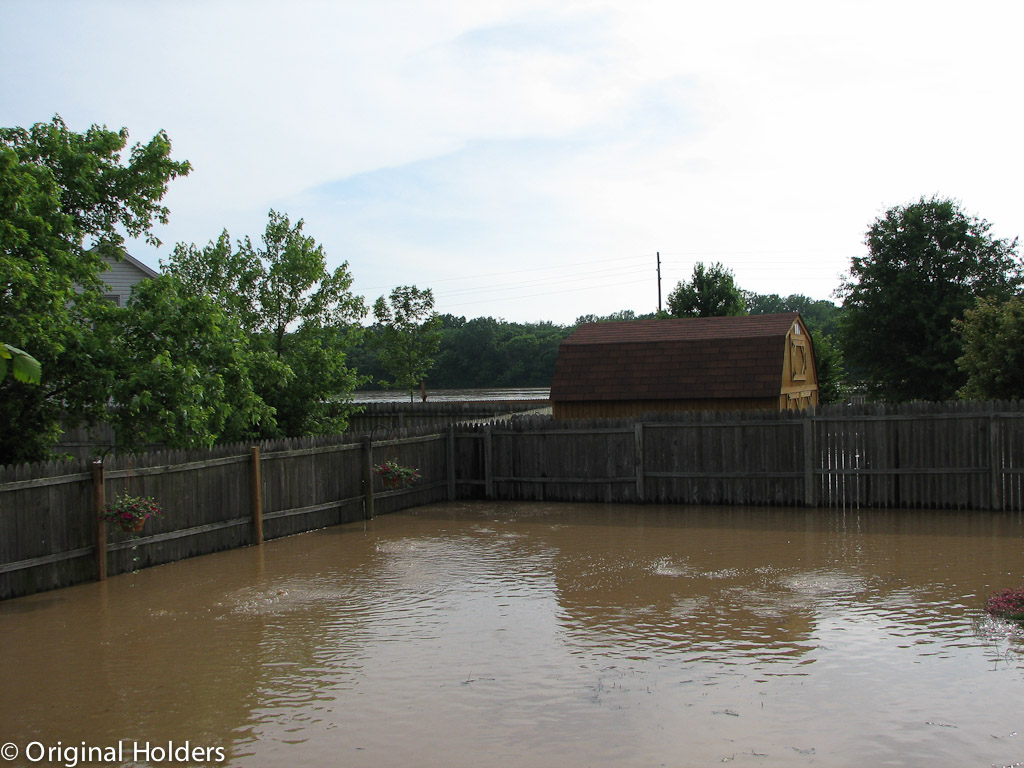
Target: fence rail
x,y
965,456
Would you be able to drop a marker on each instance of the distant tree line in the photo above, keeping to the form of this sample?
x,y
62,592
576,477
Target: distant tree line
x,y
485,352
482,352
237,340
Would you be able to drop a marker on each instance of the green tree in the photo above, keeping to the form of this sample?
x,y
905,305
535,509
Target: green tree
x,y
409,335
992,337
927,263
828,363
615,317
186,371
529,352
485,352
468,355
306,317
66,200
819,314
227,275
711,292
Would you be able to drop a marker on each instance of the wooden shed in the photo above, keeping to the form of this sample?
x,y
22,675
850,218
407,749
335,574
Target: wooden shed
x,y
754,362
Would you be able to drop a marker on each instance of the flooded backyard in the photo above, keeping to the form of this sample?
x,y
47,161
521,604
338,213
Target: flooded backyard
x,y
519,634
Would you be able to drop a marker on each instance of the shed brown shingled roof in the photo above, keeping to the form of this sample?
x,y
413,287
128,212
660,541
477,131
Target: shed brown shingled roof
x,y
706,357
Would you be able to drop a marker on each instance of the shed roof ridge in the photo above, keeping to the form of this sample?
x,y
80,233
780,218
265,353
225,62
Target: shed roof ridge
x,y
682,329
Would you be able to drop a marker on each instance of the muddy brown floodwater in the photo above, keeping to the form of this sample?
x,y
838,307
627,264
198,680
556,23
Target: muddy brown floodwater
x,y
475,634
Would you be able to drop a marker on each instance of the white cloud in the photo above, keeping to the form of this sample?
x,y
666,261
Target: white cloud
x,y
426,142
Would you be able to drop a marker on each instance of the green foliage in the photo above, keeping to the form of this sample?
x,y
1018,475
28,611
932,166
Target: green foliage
x,y
24,367
66,200
485,352
316,399
615,317
296,311
711,292
100,190
927,263
228,276
479,353
992,335
828,362
819,314
126,510
409,335
186,371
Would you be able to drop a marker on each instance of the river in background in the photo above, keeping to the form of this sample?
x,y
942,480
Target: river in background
x,y
522,634
453,395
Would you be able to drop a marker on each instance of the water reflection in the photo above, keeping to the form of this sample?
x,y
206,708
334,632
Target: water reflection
x,y
515,634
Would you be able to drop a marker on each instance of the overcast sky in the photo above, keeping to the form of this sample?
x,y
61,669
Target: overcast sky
x,y
526,160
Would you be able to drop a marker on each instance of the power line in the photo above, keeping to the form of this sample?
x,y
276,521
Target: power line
x,y
546,293
521,271
594,275
625,266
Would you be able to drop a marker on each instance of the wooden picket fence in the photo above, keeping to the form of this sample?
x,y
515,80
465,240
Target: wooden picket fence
x,y
213,500
925,455
964,456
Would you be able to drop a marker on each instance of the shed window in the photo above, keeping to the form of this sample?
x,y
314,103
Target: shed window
x,y
798,359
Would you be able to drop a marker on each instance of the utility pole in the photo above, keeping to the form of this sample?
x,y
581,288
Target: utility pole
x,y
659,281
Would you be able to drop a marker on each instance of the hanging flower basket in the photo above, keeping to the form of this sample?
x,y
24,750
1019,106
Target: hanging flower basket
x,y
130,513
395,476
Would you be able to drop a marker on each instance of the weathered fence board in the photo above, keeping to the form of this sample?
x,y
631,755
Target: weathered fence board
x,y
964,456
434,414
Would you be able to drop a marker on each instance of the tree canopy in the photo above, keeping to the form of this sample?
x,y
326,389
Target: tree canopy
x,y
302,315
186,371
66,201
821,315
409,335
927,263
711,292
992,337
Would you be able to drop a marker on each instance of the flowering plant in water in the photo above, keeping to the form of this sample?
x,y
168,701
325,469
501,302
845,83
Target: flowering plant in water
x,y
394,475
130,511
1007,604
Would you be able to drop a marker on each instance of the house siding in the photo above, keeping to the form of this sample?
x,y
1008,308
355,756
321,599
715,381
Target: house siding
x,y
121,277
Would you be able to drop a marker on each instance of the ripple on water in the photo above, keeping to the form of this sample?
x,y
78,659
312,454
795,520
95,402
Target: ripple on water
x,y
476,634
666,566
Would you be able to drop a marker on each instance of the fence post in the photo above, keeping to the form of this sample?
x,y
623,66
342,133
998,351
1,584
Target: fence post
x,y
367,478
98,501
995,456
257,496
488,472
638,448
810,498
451,462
